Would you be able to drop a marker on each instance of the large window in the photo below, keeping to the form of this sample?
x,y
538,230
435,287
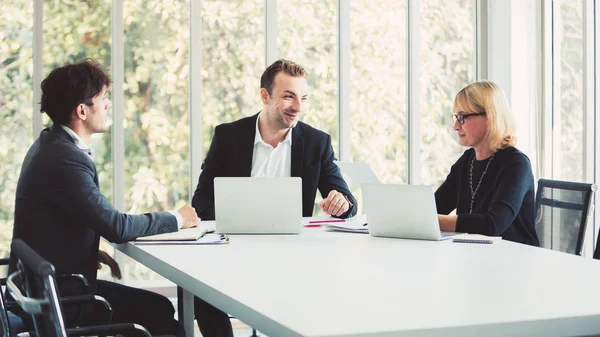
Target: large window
x,y
568,90
156,119
378,99
156,105
67,39
233,43
574,149
16,96
447,65
307,34
233,58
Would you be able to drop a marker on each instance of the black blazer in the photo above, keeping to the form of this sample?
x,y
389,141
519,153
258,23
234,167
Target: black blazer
x,y
60,212
230,155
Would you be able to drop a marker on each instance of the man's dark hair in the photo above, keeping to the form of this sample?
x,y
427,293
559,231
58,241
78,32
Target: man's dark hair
x,y
68,86
288,67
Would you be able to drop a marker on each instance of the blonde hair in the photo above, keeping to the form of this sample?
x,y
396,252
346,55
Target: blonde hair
x,y
489,97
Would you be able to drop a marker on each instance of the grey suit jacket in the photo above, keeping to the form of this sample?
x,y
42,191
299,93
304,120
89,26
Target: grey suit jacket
x,y
60,212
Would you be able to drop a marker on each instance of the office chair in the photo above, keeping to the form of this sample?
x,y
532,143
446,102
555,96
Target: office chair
x,y
12,324
561,213
34,288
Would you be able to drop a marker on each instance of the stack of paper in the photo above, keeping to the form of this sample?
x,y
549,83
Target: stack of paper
x,y
356,224
343,228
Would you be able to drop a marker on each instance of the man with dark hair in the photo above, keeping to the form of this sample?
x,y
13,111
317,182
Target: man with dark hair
x,y
272,143
60,212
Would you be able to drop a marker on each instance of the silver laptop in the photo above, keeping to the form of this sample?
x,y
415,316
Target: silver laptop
x,y
359,172
402,211
258,205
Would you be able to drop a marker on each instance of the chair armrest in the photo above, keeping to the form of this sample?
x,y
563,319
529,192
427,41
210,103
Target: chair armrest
x,y
109,328
100,330
78,301
84,299
73,300
85,286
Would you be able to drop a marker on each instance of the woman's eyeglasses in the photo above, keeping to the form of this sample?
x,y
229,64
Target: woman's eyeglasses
x,y
460,118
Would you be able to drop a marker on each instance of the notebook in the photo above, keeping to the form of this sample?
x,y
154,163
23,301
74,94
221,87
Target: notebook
x,y
188,234
402,211
476,238
209,225
355,224
207,239
265,205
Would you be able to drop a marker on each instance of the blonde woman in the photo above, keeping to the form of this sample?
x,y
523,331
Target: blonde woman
x,y
491,184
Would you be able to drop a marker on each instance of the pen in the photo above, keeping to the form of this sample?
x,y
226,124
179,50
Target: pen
x,y
325,221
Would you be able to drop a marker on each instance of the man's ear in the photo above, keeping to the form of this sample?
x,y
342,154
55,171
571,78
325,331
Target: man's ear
x,y
264,96
80,113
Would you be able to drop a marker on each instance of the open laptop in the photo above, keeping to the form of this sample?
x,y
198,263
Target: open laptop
x,y
359,172
402,211
258,205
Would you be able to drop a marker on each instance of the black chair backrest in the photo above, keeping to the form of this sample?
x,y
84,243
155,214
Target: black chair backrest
x,y
33,286
597,251
11,324
561,212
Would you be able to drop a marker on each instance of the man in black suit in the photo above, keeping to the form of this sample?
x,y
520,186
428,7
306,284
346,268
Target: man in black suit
x,y
59,210
271,143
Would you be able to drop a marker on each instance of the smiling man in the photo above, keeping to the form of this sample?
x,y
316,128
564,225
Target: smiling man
x,y
272,143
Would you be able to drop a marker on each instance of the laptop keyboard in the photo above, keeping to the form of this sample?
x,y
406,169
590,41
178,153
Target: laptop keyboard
x,y
446,235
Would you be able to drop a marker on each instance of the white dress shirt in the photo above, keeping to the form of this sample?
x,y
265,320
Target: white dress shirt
x,y
271,162
90,152
79,142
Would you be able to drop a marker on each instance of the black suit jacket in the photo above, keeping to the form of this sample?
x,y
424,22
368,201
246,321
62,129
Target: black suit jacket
x,y
230,155
60,212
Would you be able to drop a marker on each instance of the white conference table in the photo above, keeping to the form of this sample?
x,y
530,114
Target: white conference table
x,y
342,284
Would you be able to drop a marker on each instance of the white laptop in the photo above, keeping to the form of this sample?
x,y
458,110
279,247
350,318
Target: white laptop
x,y
359,172
258,205
402,211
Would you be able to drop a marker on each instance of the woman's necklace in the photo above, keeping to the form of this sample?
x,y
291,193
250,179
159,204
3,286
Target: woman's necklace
x,y
473,192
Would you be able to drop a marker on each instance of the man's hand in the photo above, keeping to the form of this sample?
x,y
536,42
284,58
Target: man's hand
x,y
190,218
335,203
447,222
104,258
